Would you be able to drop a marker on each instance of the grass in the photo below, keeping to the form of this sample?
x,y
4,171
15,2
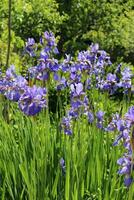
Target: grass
x,y
30,153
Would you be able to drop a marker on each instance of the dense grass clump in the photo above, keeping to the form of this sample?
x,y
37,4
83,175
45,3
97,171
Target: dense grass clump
x,y
32,152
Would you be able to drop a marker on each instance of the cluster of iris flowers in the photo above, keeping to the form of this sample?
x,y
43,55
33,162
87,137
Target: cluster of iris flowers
x,y
125,127
88,70
15,87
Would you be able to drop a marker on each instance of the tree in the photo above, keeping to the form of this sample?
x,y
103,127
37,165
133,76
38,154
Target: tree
x,y
29,18
107,22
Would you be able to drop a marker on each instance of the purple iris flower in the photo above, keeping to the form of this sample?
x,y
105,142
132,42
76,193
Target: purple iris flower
x,y
126,74
30,46
113,124
125,170
110,83
32,100
76,104
118,69
53,65
125,162
73,75
62,84
2,87
126,82
10,73
66,125
127,145
66,64
33,72
130,115
111,78
76,89
99,124
128,181
94,48
16,88
83,56
13,85
43,76
43,55
124,133
51,43
84,61
88,83
116,142
30,42
56,77
100,115
90,117
120,161
77,100
85,101
110,127
41,40
49,36
45,67
120,125
79,88
73,113
62,164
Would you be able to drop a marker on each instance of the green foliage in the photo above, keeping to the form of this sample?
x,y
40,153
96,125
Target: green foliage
x,y
31,18
17,44
77,23
109,23
30,152
28,19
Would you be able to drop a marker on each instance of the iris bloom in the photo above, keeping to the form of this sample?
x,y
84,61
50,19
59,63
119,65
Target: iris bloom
x,y
33,100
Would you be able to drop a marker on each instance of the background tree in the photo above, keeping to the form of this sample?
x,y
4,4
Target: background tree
x,y
78,23
29,19
107,22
